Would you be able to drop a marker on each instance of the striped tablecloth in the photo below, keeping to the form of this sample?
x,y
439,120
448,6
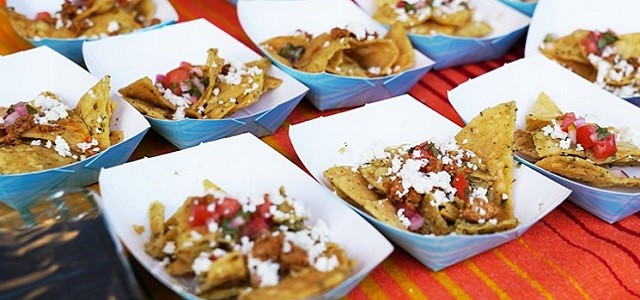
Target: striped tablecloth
x,y
569,254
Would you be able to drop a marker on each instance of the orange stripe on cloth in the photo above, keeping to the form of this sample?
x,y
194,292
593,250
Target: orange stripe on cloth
x,y
368,289
10,41
450,285
486,280
546,294
423,278
556,267
409,287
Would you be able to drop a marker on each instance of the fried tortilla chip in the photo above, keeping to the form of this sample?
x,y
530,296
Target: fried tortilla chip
x,y
126,23
628,45
274,45
583,170
96,109
474,29
567,48
321,49
525,145
384,211
543,112
491,137
226,270
350,183
144,90
457,19
32,29
406,54
72,129
27,158
376,54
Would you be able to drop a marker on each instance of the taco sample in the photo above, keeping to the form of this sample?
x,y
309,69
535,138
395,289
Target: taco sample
x,y
211,91
45,133
350,51
461,186
258,247
570,146
432,17
86,19
607,59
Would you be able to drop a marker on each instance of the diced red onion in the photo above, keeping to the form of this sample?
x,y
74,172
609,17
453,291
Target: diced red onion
x,y
197,71
184,86
160,78
579,122
236,222
572,136
19,110
416,222
198,84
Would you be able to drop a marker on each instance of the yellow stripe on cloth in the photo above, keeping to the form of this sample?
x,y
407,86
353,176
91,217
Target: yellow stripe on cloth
x,y
535,284
372,289
483,276
451,286
401,278
555,267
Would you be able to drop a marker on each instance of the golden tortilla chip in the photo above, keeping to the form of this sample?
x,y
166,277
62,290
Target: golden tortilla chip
x,y
524,144
583,170
28,28
72,129
628,45
321,49
96,108
376,56
543,112
474,29
432,28
213,68
457,19
406,54
491,137
350,67
567,47
149,110
101,22
384,211
548,146
28,158
144,90
224,271
350,183
274,45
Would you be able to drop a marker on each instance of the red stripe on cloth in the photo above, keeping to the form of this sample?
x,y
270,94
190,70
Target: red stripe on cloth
x,y
421,276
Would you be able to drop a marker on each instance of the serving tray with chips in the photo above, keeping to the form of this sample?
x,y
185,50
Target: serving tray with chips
x,y
570,93
343,139
43,69
128,191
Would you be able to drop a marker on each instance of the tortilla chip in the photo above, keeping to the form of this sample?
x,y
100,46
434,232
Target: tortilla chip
x,y
548,146
126,23
96,109
316,57
372,54
384,211
524,144
144,90
350,183
406,54
491,137
116,136
583,170
628,45
72,129
568,47
474,29
213,67
27,158
28,28
225,270
543,112
350,67
148,109
432,28
457,19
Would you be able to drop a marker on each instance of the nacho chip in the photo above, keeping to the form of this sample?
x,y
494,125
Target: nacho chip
x,y
321,49
543,112
524,144
406,54
96,108
474,29
491,137
432,28
144,90
384,211
376,56
38,28
26,158
72,129
567,48
350,183
583,170
457,19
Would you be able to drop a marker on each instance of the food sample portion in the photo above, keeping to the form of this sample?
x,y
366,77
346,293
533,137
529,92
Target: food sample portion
x,y
211,91
461,186
350,51
45,133
608,59
567,144
432,17
258,247
86,19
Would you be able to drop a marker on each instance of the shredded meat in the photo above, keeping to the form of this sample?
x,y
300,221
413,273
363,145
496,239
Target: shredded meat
x,y
12,133
295,259
471,210
394,190
268,247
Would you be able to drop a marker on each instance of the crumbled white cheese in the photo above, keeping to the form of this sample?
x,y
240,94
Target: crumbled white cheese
x,y
403,219
62,147
51,109
169,248
201,264
113,26
266,271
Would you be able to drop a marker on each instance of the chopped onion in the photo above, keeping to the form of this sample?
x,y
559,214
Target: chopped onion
x,y
19,110
184,86
196,81
160,78
236,222
197,71
416,222
572,136
579,122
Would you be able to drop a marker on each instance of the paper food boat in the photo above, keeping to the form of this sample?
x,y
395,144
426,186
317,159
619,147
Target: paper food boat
x,y
526,7
448,51
130,57
572,94
72,48
321,144
561,18
241,165
42,69
265,19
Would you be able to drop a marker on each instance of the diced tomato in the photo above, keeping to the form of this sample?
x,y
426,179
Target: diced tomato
x,y
228,207
461,185
122,2
176,75
255,228
199,215
567,120
605,147
263,209
186,65
43,15
586,135
590,42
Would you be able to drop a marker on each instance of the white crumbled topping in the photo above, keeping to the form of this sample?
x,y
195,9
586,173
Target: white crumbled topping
x,y
62,147
249,204
267,271
326,44
286,247
324,264
113,26
479,193
48,144
564,144
374,70
201,264
51,109
616,71
358,30
36,143
217,253
86,146
579,147
169,248
505,196
493,221
195,235
181,102
554,131
236,71
246,245
216,91
405,221
212,226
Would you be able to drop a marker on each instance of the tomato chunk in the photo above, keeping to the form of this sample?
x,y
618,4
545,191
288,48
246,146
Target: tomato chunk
x,y
43,15
586,135
567,120
461,185
228,207
605,147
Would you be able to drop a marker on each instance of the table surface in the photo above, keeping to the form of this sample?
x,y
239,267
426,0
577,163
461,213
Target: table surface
x,y
568,254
